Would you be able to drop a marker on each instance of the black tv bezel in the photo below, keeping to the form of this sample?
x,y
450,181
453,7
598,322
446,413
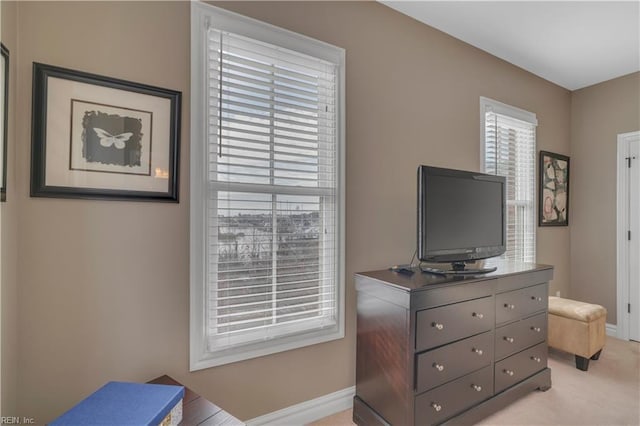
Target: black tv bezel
x,y
462,254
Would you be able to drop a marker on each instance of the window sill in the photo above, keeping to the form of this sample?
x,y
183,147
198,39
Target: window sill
x,y
209,359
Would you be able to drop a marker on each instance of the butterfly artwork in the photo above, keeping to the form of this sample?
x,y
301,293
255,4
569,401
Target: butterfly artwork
x,y
107,139
111,139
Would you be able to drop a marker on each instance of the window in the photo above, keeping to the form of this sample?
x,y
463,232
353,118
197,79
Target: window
x,y
508,136
267,190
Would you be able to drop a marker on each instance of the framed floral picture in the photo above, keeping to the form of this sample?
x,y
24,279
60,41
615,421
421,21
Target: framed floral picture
x,y
554,190
102,138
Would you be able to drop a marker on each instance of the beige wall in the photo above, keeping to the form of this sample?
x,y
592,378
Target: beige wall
x,y
103,289
413,98
104,285
598,114
9,224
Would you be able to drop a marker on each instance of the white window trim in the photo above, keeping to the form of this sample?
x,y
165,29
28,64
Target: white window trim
x,y
203,15
488,104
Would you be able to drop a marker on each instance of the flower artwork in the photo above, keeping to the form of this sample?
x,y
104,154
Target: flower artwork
x,y
554,189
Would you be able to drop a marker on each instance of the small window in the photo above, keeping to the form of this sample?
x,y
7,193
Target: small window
x,y
508,136
267,203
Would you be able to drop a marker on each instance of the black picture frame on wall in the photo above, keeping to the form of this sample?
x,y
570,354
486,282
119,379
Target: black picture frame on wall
x,y
97,137
553,201
4,118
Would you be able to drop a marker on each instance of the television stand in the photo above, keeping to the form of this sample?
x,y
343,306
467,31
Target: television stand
x,y
458,268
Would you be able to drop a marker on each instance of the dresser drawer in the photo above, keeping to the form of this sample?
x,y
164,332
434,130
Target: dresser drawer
x,y
517,367
437,326
516,304
519,335
448,400
444,364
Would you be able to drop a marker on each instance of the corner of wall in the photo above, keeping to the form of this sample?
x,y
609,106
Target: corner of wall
x,y
598,114
8,234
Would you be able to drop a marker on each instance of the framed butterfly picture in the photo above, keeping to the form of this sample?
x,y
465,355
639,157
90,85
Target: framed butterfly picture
x,y
97,137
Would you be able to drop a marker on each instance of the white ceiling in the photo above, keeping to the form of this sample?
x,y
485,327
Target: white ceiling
x,y
571,43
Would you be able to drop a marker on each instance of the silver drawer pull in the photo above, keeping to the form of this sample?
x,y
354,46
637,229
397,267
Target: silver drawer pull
x,y
509,339
536,329
477,388
508,372
537,299
438,367
509,306
536,359
437,325
436,406
477,315
478,351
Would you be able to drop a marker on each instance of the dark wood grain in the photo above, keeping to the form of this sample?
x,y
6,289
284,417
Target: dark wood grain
x,y
456,360
197,410
426,344
513,305
437,405
510,275
539,381
446,324
519,335
518,367
383,378
365,415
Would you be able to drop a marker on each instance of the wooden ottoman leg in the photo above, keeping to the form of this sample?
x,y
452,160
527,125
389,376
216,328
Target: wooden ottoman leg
x,y
582,363
578,328
596,355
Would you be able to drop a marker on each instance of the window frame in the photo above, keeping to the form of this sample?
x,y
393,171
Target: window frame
x,y
203,16
490,105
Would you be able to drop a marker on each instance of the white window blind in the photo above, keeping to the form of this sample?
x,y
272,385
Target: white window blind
x,y
273,210
509,150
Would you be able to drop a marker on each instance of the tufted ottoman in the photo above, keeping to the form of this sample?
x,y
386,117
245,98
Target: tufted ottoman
x,y
577,328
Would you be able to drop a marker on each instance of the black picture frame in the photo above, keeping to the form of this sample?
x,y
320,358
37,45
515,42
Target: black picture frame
x,y
4,117
553,190
96,137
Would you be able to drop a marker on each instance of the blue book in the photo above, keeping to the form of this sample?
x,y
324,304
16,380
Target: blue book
x,y
121,403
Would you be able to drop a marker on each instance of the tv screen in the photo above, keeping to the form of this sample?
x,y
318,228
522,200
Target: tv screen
x,y
461,215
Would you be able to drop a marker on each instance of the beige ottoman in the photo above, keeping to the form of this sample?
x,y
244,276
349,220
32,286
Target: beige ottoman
x,y
577,328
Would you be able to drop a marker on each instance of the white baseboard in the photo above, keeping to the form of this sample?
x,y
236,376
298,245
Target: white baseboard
x,y
308,411
327,405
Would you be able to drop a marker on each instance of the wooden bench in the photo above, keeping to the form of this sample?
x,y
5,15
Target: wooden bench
x,y
577,328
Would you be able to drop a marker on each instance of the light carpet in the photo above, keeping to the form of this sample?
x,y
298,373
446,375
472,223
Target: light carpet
x,y
607,394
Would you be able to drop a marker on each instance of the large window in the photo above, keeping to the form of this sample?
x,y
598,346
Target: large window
x,y
508,136
267,199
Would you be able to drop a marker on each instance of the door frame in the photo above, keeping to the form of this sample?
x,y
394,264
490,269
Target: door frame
x,y
622,226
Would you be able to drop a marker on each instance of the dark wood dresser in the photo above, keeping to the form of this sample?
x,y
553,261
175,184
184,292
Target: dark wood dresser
x,y
436,349
197,411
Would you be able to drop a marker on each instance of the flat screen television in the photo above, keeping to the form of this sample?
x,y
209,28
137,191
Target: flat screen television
x,y
461,218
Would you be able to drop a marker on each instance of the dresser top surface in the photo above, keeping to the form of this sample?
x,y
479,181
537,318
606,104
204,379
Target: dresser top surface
x,y
424,280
